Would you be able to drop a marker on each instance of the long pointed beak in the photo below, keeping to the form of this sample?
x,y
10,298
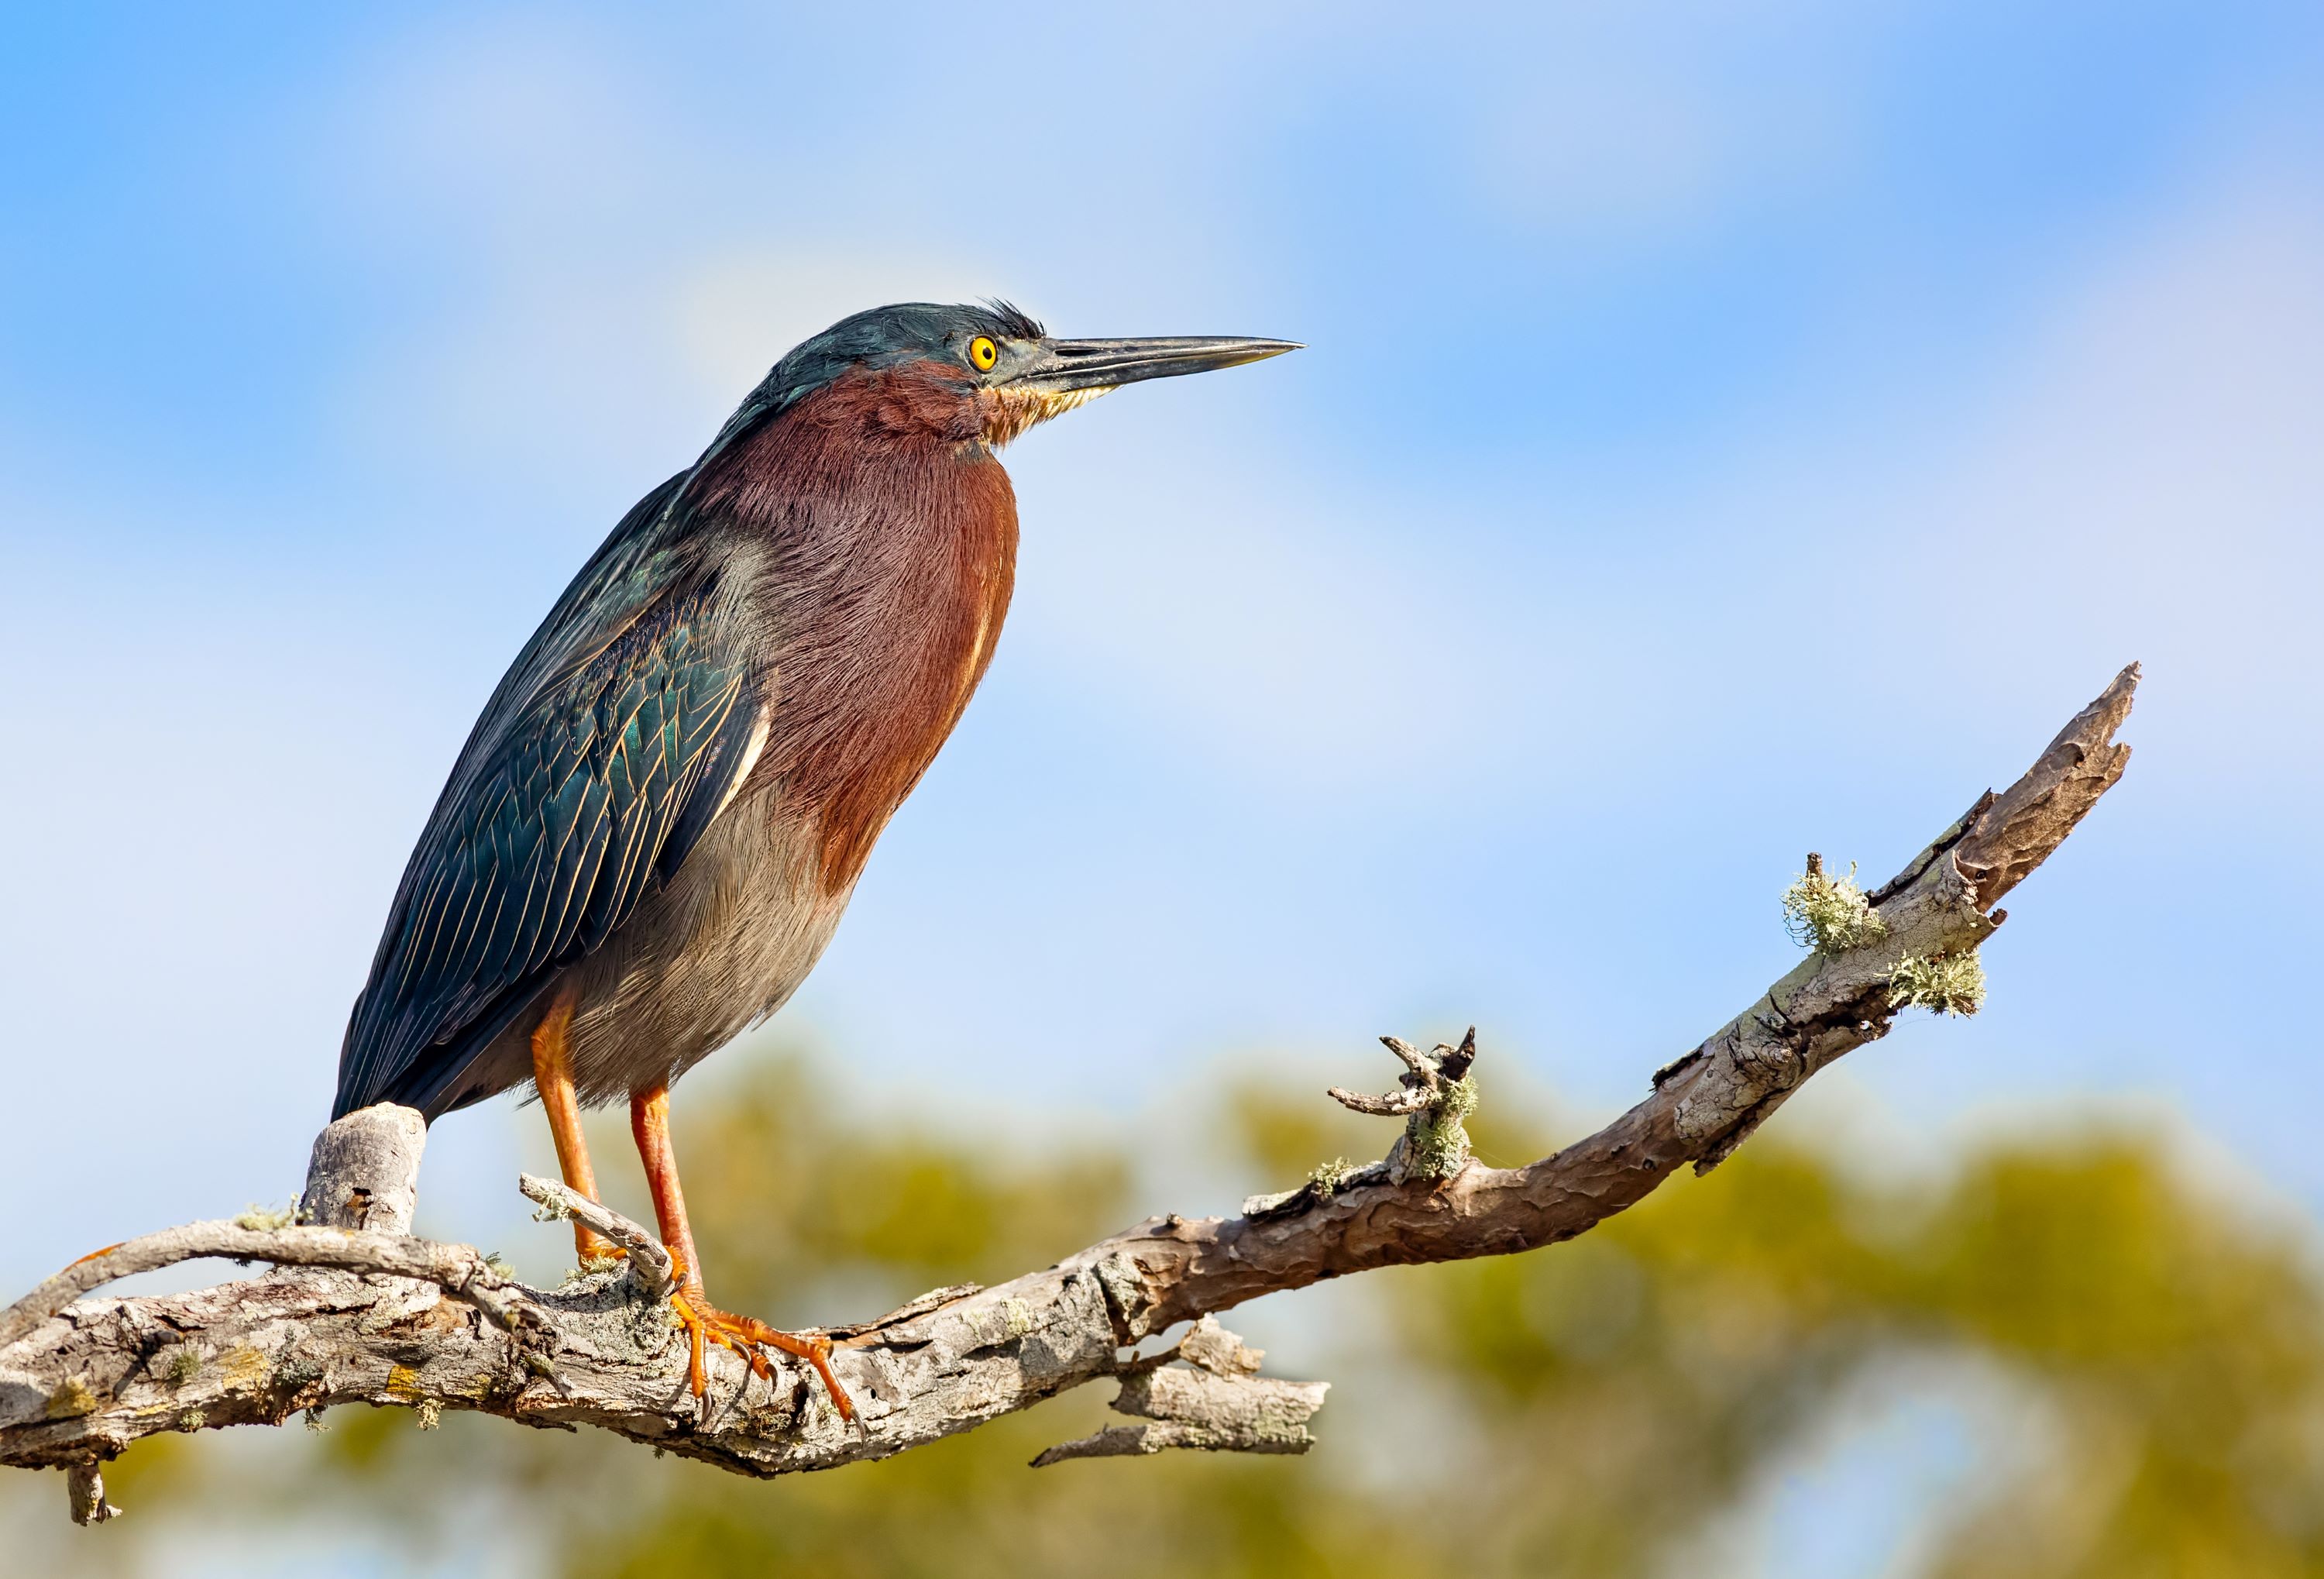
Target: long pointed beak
x,y
1061,366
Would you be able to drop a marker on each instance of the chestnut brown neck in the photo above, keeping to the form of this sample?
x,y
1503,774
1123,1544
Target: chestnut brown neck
x,y
888,536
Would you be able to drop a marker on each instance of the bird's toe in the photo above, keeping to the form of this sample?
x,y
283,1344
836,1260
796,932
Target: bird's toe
x,y
752,1338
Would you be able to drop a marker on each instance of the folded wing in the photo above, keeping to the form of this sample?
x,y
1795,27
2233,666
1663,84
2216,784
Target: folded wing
x,y
614,741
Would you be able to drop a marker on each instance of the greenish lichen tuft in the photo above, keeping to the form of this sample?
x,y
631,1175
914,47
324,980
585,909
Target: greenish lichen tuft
x,y
1829,914
595,1266
431,1414
294,1375
185,1364
261,1219
315,1421
1435,1139
1943,983
1327,1175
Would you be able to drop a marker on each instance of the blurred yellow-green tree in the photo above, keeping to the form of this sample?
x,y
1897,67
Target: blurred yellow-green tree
x,y
1601,1408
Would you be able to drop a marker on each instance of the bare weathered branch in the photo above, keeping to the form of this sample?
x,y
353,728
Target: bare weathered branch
x,y
1393,1105
1214,1414
456,1267
1219,1406
352,1314
364,1172
657,1270
85,1488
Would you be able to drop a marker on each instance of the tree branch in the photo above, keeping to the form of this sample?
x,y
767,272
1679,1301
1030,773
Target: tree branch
x,y
356,1311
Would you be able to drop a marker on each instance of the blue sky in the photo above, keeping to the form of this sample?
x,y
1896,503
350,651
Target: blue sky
x,y
1727,431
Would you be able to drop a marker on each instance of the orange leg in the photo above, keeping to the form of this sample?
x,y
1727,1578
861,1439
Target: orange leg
x,y
552,1074
650,1126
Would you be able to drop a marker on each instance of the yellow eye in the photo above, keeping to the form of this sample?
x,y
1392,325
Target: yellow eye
x,y
984,353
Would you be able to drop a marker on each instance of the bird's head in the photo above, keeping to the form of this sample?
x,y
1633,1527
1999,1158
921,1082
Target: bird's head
x,y
987,371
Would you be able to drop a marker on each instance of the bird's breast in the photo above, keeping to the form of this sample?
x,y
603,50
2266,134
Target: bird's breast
x,y
886,579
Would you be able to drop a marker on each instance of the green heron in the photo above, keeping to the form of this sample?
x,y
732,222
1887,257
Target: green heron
x,y
654,827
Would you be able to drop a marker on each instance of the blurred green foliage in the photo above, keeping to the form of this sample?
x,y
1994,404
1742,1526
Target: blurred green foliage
x,y
1594,1409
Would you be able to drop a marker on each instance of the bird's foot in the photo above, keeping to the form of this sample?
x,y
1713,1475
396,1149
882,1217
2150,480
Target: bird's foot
x,y
602,1257
705,1324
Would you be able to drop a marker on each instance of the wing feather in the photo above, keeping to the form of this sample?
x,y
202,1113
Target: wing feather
x,y
614,740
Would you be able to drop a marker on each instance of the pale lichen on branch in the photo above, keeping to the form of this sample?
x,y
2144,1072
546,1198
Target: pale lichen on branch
x,y
1829,914
1943,983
